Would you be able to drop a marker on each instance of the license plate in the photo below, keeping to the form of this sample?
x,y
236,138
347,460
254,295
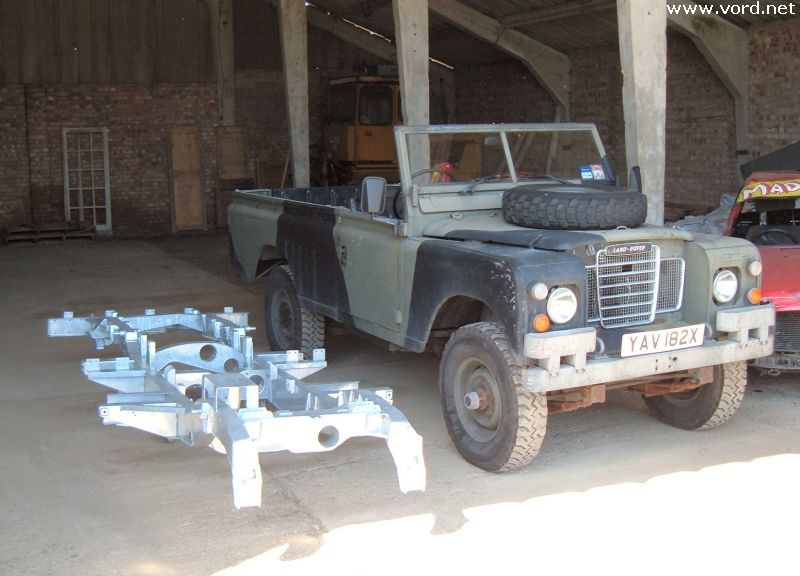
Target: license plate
x,y
639,343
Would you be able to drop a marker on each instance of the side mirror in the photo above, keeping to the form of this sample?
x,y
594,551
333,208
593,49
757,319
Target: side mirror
x,y
373,194
635,179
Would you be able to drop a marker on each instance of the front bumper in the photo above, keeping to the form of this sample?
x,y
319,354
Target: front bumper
x,y
559,359
781,361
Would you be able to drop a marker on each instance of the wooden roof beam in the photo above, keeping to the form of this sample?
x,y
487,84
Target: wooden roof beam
x,y
559,12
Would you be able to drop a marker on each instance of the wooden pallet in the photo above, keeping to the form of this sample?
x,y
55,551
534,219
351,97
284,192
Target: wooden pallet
x,y
62,231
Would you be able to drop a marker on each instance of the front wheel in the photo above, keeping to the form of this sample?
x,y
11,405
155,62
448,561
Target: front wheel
x,y
494,423
289,325
707,406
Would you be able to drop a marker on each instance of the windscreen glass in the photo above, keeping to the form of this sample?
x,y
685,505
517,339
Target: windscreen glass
x,y
375,105
442,158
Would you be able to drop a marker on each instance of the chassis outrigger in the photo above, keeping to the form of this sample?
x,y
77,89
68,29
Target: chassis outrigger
x,y
219,392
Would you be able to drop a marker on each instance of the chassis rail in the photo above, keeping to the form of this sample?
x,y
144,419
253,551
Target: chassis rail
x,y
219,392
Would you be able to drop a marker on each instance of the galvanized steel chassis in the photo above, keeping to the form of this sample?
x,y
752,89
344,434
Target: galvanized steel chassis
x,y
218,392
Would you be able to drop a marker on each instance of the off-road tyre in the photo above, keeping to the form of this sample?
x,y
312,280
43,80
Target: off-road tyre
x,y
497,442
290,326
534,207
707,406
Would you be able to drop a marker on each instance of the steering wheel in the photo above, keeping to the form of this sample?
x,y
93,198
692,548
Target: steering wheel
x,y
774,237
431,171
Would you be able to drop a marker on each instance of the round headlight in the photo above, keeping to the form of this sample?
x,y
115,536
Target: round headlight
x,y
724,287
754,268
562,305
539,291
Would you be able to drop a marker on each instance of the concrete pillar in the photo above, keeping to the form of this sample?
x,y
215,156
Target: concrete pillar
x,y
411,36
643,52
221,12
294,42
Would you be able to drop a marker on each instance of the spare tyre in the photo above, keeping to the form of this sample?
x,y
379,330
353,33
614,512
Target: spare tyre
x,y
573,207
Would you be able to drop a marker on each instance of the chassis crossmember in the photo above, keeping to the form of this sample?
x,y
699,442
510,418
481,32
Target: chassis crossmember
x,y
218,392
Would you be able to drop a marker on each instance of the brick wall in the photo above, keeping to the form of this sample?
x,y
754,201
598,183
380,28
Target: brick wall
x,y
774,86
596,96
139,118
14,191
261,100
701,143
261,108
503,92
700,129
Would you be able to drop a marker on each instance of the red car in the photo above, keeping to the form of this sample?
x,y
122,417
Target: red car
x,y
767,213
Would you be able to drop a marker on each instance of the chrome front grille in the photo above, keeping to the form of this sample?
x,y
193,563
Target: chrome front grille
x,y
628,289
787,332
670,285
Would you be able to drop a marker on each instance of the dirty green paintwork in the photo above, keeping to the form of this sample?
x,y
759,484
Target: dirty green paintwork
x,y
377,259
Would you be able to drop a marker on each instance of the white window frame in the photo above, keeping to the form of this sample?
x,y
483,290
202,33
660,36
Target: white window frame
x,y
74,194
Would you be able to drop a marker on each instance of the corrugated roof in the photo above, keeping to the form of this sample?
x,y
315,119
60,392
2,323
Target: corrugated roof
x,y
564,25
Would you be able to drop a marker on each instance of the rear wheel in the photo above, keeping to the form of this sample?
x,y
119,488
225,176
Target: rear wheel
x,y
707,406
289,325
494,423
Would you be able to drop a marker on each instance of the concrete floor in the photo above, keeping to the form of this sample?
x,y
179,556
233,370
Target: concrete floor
x,y
612,487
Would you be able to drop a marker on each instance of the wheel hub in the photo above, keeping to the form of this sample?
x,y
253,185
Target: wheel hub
x,y
479,408
282,317
285,316
472,401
